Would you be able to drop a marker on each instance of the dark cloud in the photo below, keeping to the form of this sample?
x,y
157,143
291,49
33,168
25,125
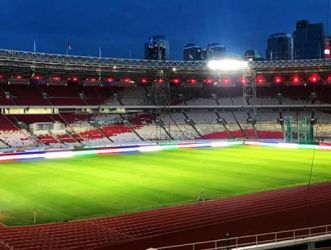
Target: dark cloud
x,y
123,25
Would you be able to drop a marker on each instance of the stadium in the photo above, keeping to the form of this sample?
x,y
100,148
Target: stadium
x,y
102,153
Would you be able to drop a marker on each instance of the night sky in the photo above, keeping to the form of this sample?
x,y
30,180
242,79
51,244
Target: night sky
x,y
119,26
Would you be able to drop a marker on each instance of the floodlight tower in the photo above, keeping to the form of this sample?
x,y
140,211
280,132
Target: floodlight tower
x,y
247,80
161,98
249,93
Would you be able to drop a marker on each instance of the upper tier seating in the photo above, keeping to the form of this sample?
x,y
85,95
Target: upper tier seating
x,y
133,96
25,95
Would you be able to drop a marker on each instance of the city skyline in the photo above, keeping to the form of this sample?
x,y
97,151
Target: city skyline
x,y
121,28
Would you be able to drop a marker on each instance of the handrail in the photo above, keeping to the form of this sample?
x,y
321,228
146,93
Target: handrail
x,y
251,240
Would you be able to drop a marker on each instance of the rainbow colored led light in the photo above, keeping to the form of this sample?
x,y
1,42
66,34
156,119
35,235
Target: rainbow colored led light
x,y
149,148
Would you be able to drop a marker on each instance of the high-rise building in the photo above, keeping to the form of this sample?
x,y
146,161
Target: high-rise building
x,y
214,51
157,48
204,54
252,55
192,52
279,47
309,40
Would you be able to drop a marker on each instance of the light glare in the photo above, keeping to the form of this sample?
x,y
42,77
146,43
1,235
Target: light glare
x,y
228,65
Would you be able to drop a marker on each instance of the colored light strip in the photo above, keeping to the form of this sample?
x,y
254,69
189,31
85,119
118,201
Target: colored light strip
x,y
118,150
22,157
149,148
114,150
324,147
287,145
217,144
60,154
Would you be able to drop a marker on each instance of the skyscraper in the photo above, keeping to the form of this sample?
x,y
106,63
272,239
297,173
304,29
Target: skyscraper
x,y
279,47
308,40
192,52
252,55
215,51
157,48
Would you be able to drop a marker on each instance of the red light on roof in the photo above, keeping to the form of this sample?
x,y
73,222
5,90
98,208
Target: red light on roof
x,y
56,78
260,79
314,78
143,80
208,81
328,79
18,77
36,77
160,80
192,81
225,80
243,80
175,81
126,80
278,79
110,79
74,78
92,79
296,79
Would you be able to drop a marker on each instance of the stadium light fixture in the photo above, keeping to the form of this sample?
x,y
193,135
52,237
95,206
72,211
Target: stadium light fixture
x,y
296,79
192,81
314,78
109,79
126,80
243,80
260,79
56,78
225,80
176,80
209,80
328,79
278,79
160,80
144,80
91,79
228,65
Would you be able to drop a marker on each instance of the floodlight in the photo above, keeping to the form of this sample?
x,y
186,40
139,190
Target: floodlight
x,y
228,65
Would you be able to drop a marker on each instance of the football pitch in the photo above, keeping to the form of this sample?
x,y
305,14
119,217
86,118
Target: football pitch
x,y
105,185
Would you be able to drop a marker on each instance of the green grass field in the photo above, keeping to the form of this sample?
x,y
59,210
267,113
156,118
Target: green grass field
x,y
83,187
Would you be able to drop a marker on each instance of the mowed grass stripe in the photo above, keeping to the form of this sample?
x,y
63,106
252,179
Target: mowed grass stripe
x,y
83,187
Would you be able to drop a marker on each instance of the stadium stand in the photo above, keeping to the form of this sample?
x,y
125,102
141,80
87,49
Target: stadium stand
x,y
97,130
